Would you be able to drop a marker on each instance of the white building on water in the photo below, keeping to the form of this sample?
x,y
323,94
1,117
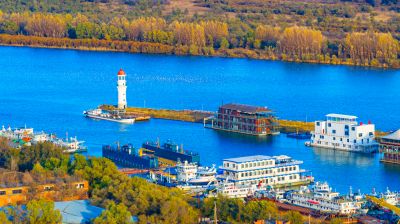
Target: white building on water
x,y
343,132
260,170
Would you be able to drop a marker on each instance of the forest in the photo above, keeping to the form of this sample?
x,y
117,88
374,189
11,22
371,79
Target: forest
x,y
331,32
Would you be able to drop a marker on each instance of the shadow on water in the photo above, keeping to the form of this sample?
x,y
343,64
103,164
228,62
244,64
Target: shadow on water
x,y
391,168
338,157
240,138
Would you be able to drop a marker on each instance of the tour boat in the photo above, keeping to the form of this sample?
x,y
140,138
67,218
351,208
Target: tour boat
x,y
192,174
71,145
103,115
320,197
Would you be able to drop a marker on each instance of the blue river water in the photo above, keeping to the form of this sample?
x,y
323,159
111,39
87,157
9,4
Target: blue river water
x,y
48,89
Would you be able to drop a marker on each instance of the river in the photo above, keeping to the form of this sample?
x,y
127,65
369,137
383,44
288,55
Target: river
x,y
49,88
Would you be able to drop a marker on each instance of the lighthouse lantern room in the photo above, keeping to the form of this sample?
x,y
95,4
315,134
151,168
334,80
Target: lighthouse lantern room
x,y
121,86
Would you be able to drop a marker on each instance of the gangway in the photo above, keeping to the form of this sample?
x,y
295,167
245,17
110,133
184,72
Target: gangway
x,y
383,203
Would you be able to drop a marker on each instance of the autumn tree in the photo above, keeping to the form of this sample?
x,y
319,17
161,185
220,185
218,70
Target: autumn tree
x,y
294,217
364,48
214,32
46,25
268,35
301,42
188,34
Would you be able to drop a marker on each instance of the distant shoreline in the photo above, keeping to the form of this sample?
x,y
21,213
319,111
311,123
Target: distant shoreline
x,y
151,48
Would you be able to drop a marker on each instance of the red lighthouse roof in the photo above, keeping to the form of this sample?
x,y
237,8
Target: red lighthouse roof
x,y
121,72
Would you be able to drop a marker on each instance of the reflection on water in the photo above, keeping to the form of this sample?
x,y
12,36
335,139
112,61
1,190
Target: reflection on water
x,y
240,138
343,157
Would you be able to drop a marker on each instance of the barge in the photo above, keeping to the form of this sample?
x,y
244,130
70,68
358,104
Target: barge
x,y
128,156
170,153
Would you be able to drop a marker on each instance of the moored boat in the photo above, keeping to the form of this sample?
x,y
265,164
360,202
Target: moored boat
x,y
104,115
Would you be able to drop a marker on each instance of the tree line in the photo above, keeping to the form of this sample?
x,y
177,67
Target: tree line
x,y
211,37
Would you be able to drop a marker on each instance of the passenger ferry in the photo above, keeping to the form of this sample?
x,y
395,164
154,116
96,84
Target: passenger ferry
x,y
103,115
263,171
320,197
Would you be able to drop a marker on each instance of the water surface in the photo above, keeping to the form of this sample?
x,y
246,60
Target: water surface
x,y
48,89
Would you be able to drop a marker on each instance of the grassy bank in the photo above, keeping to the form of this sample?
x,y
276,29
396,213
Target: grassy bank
x,y
198,116
158,48
178,115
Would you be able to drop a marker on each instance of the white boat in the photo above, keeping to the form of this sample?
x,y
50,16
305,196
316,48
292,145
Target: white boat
x,y
71,145
185,171
192,174
231,190
204,176
103,115
320,197
390,197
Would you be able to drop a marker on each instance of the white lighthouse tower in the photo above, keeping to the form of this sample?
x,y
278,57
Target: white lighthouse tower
x,y
121,86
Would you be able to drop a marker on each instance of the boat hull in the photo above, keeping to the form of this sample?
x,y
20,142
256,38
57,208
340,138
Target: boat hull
x,y
123,121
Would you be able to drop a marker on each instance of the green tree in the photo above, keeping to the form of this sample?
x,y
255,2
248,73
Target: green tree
x,y
3,218
224,43
41,211
294,217
114,214
336,221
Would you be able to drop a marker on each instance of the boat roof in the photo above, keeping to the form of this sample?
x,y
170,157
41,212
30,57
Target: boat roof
x,y
393,136
248,159
245,108
342,116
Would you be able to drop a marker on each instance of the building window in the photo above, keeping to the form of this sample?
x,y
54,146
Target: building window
x,y
353,128
334,138
318,123
80,186
333,131
329,125
360,135
18,191
48,188
2,192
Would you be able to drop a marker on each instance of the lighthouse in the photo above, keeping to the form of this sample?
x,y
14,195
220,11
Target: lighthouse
x,y
121,86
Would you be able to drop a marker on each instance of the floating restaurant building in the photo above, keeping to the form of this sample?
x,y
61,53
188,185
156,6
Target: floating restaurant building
x,y
343,132
275,171
245,119
389,146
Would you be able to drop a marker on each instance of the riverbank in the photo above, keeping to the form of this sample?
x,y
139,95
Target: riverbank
x,y
158,48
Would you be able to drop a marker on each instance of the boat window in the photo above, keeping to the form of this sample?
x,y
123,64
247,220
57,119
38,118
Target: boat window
x,y
18,191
